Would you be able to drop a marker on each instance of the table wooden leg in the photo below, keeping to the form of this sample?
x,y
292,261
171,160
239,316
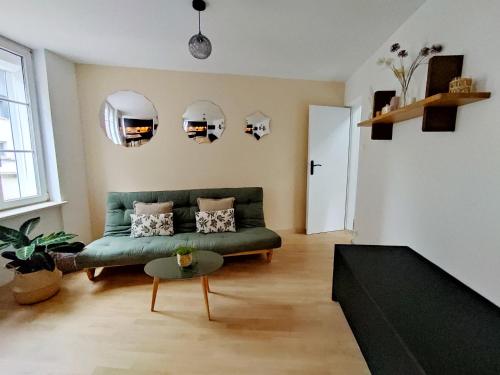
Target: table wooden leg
x,y
156,281
208,285
204,286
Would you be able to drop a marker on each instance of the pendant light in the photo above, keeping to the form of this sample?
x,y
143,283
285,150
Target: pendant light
x,y
199,45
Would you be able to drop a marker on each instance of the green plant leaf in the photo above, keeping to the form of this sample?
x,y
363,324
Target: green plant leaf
x,y
4,245
13,237
29,225
11,255
42,261
26,252
40,248
73,248
184,250
15,263
54,238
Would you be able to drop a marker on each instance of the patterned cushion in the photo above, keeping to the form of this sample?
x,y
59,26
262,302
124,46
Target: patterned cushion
x,y
152,225
215,221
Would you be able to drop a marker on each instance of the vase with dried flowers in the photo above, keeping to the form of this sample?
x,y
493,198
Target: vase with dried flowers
x,y
404,73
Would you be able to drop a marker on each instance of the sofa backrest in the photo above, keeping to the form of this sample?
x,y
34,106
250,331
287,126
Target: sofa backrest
x,y
248,207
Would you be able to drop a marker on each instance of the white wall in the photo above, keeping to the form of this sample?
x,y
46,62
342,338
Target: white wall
x,y
61,137
69,148
438,193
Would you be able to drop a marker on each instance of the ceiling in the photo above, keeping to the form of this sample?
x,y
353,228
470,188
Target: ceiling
x,y
132,104
306,39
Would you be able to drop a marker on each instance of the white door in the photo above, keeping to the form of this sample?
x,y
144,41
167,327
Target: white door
x,y
328,159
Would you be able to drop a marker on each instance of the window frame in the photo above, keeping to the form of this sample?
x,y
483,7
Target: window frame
x,y
26,55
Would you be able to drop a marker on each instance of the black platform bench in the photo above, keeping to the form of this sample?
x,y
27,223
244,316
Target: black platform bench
x,y
411,317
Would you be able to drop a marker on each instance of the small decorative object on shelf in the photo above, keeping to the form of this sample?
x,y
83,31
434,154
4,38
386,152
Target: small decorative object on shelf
x,y
394,104
184,256
405,73
36,275
461,85
386,109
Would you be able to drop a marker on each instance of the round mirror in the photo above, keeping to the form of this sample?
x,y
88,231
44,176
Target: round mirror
x,y
203,121
129,118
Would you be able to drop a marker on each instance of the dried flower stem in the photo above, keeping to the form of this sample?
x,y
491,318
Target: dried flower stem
x,y
404,75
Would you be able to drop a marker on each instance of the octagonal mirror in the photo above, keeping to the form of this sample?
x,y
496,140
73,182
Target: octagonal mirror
x,y
258,125
128,119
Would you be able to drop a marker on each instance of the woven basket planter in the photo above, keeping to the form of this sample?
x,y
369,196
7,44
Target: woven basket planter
x,y
29,288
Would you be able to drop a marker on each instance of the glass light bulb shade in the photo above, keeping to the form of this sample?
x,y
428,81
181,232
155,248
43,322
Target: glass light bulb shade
x,y
200,46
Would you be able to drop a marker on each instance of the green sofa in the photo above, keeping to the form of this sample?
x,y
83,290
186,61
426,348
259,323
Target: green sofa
x,y
117,248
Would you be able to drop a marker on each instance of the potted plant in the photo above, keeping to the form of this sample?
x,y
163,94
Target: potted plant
x,y
184,256
36,275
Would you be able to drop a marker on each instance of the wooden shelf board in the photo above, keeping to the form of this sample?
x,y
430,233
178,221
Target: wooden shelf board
x,y
417,109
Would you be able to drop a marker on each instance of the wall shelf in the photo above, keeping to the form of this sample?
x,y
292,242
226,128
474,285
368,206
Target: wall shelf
x,y
439,108
417,109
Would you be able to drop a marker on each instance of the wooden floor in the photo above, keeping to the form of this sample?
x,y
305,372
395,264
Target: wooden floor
x,y
274,318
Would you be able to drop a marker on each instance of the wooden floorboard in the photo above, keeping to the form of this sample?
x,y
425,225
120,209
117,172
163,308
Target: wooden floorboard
x,y
274,318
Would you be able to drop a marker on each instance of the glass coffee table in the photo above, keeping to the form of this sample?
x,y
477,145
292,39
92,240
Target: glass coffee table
x,y
204,263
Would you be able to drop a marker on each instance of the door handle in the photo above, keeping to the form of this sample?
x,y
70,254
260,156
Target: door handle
x,y
314,165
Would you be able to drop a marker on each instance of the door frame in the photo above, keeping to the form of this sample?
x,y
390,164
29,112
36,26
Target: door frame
x,y
355,143
347,169
349,161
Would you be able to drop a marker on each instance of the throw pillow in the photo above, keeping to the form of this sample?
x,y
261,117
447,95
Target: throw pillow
x,y
152,225
141,208
210,205
215,221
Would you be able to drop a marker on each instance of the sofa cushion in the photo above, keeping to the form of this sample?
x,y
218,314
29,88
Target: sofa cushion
x,y
210,205
123,250
215,221
141,208
248,207
152,225
245,239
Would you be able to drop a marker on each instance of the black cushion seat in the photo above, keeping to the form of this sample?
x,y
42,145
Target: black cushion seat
x,y
427,322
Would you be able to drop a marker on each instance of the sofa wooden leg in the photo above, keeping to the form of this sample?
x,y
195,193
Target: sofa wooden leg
x,y
90,273
269,256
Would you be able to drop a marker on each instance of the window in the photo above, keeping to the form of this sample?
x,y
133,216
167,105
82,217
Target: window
x,y
111,122
22,179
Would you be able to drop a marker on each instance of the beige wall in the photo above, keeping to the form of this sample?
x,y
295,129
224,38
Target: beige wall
x,y
172,161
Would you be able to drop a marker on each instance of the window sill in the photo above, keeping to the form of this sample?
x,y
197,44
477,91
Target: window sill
x,y
13,212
